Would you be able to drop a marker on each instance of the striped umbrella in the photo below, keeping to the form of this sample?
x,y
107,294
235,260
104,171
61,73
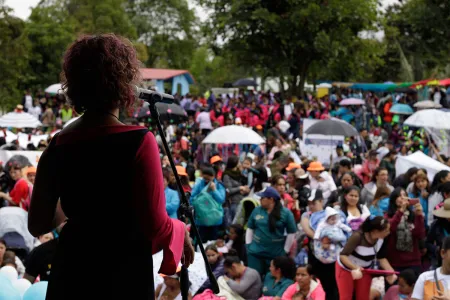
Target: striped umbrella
x,y
19,119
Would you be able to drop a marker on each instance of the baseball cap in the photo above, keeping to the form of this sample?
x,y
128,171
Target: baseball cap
x,y
31,170
181,171
269,192
316,194
214,159
293,166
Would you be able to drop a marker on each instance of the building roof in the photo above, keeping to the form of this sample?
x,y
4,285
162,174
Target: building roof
x,y
164,74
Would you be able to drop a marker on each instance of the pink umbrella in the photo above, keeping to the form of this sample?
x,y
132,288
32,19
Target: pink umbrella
x,y
352,101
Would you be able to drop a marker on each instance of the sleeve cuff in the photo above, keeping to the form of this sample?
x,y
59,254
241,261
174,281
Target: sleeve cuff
x,y
172,253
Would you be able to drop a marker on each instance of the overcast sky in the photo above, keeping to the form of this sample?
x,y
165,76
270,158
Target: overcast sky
x,y
22,8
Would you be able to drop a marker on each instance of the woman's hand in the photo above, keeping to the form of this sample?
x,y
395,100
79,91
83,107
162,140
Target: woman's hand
x,y
212,186
357,274
391,279
418,209
188,251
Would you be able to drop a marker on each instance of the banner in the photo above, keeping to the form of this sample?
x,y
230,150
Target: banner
x,y
33,156
318,146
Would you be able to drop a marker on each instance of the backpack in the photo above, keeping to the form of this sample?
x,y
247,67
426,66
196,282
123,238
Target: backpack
x,y
207,211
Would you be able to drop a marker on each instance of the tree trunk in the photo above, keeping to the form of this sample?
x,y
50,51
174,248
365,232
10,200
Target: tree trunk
x,y
303,73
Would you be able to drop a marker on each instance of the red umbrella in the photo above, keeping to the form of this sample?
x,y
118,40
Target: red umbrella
x,y
421,83
444,82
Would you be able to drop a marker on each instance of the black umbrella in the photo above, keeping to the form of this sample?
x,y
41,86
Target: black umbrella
x,y
172,113
332,127
245,82
20,160
405,90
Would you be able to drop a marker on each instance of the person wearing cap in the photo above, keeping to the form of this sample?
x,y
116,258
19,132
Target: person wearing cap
x,y
217,163
319,179
303,188
31,174
434,284
266,227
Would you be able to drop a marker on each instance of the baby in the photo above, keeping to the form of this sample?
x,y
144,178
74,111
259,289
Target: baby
x,y
332,228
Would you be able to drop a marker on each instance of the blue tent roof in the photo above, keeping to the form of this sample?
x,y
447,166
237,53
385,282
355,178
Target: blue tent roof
x,y
375,87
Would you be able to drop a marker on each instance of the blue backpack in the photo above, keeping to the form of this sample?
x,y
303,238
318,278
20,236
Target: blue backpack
x,y
207,211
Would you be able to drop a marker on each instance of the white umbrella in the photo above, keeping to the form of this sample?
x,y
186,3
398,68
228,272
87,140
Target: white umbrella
x,y
54,89
19,120
70,121
431,118
233,134
8,135
427,104
325,85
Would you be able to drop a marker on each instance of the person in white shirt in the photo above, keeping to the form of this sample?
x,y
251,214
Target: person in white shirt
x,y
204,120
435,285
319,179
36,110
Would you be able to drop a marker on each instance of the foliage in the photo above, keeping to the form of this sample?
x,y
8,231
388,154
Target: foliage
x,y
167,28
14,49
290,35
50,30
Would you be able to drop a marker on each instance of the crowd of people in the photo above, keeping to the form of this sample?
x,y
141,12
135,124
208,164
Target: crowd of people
x,y
278,224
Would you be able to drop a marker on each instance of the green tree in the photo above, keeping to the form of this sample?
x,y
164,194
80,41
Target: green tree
x,y
14,49
168,29
290,35
94,17
50,30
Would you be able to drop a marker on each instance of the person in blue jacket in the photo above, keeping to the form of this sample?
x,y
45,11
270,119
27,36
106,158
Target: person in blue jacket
x,y
218,192
172,197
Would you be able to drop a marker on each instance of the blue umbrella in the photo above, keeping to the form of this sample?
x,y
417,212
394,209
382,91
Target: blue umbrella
x,y
401,109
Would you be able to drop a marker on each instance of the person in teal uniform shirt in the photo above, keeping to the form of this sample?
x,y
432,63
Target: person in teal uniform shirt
x,y
172,197
270,231
280,277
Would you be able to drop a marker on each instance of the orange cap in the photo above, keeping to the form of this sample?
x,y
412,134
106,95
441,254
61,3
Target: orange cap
x,y
181,171
215,159
293,166
259,127
315,166
31,170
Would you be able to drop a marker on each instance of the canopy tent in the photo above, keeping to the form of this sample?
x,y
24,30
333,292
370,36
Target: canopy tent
x,y
444,82
374,87
419,160
54,89
233,134
421,83
19,120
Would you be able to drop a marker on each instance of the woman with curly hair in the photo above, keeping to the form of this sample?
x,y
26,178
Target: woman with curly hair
x,y
126,200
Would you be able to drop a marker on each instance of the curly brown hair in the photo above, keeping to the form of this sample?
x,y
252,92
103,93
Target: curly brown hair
x,y
99,73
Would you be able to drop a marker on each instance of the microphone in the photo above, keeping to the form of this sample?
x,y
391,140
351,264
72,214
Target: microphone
x,y
153,96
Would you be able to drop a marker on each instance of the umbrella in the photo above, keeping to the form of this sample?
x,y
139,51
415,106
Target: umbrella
x,y
444,82
54,89
245,82
172,113
405,90
432,118
401,109
22,160
427,104
352,101
332,127
325,85
233,134
8,135
433,82
19,120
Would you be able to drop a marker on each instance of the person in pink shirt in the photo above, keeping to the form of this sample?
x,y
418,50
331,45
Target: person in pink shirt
x,y
369,165
307,285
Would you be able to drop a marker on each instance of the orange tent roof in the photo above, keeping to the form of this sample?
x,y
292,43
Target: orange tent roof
x,y
164,74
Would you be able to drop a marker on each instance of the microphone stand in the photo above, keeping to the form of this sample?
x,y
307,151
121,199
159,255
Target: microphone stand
x,y
185,210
